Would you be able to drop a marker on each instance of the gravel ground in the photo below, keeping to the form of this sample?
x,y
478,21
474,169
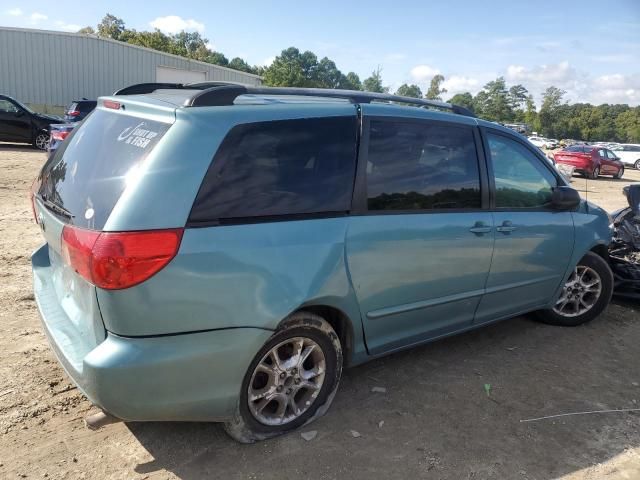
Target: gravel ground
x,y
434,420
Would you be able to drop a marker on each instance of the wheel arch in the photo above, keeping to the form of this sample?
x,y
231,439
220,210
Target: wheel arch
x,y
339,321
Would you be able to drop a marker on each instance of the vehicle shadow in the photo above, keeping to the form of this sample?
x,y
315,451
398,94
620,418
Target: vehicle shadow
x,y
452,409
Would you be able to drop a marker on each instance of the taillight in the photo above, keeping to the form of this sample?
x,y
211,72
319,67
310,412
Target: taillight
x,y
117,260
73,113
59,135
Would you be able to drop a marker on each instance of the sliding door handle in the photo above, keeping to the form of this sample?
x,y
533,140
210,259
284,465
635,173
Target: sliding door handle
x,y
506,227
479,228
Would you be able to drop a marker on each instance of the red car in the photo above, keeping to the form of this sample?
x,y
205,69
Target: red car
x,y
591,161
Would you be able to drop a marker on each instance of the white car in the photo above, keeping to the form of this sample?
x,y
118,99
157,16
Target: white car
x,y
541,142
629,154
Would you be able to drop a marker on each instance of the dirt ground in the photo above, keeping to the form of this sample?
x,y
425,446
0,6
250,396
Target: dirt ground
x,y
435,420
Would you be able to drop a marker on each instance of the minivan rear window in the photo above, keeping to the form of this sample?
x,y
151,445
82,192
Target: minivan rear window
x,y
88,173
283,167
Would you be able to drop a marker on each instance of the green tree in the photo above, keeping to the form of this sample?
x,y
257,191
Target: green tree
x,y
156,39
435,92
191,45
374,82
530,113
409,91
217,58
549,111
238,63
627,126
493,102
328,75
518,97
110,27
463,99
352,81
87,31
292,69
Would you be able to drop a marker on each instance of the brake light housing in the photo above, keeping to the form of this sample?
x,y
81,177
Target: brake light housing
x,y
73,113
59,135
119,260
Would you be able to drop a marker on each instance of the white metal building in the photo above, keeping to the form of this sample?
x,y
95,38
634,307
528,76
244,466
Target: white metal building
x,y
51,69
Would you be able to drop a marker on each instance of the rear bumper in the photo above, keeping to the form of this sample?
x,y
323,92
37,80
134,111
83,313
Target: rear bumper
x,y
187,377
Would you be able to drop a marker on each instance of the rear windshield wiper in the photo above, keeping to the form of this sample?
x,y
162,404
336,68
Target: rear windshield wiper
x,y
56,208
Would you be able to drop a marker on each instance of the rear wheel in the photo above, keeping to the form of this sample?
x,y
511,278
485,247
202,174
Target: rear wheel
x,y
637,165
41,141
595,173
585,294
619,174
291,381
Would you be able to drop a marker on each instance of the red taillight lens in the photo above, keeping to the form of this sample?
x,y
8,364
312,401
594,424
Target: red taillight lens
x,y
59,135
116,260
77,249
73,113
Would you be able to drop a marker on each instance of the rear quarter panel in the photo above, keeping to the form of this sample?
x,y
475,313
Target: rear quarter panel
x,y
240,276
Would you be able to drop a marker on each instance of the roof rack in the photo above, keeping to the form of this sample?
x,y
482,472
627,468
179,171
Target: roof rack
x,y
223,93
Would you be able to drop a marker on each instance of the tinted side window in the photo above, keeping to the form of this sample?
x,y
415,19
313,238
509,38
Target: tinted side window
x,y
521,180
416,166
282,167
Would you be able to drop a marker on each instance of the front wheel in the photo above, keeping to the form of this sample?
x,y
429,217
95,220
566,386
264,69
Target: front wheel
x,y
585,294
619,174
41,141
291,381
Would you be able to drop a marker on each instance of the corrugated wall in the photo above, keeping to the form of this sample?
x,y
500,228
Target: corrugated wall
x,y
54,68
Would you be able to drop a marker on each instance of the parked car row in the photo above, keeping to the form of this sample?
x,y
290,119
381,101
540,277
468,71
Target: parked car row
x,y
20,124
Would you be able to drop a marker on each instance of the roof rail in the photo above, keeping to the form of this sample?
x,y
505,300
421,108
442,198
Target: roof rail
x,y
142,88
223,93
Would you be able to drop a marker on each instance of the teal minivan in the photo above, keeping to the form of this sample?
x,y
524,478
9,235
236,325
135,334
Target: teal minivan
x,y
216,252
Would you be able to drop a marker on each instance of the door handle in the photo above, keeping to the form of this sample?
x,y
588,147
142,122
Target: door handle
x,y
506,227
479,228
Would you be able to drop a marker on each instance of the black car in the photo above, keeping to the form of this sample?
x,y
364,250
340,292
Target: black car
x,y
79,109
20,124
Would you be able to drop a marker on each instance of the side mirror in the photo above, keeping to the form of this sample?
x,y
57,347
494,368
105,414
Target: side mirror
x,y
565,198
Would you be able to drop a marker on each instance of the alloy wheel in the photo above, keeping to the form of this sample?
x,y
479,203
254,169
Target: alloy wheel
x,y
286,381
637,165
42,141
580,293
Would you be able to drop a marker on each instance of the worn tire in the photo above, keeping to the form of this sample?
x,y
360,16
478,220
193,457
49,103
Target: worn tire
x,y
244,427
597,263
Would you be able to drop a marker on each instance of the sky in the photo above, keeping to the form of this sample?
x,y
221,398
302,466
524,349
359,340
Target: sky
x,y
589,48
